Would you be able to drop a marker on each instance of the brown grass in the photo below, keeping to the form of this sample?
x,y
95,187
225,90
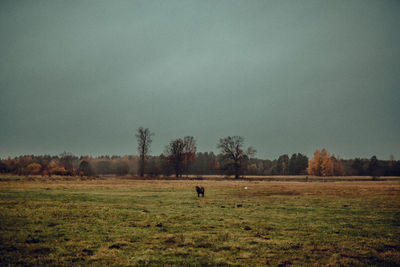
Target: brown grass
x,y
128,222
351,189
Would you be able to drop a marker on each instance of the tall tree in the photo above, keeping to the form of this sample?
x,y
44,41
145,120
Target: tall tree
x,y
143,136
374,166
358,166
175,153
189,152
282,164
323,164
326,164
314,165
85,169
298,164
231,148
337,166
181,153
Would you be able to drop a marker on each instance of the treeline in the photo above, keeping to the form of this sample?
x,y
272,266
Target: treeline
x,y
68,165
322,164
201,164
180,158
208,163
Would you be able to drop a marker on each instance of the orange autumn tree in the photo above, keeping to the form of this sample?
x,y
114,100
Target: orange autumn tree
x,y
323,164
326,164
34,168
55,168
314,165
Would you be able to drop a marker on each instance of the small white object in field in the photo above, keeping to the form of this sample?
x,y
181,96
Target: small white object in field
x,y
245,187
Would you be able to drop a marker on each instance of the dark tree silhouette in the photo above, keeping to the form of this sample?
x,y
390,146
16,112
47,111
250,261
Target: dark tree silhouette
x,y
374,166
165,165
3,167
143,136
298,164
181,153
282,164
358,166
231,148
175,154
189,152
85,169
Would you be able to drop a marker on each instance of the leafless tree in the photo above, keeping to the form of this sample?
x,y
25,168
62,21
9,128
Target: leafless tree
x,y
143,136
189,151
181,153
231,148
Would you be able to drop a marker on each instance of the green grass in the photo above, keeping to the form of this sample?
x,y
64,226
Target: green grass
x,y
136,223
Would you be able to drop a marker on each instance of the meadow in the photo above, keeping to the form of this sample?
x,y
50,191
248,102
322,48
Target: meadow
x,y
162,222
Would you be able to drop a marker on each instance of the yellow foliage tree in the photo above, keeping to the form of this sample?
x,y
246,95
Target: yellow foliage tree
x,y
55,168
34,168
322,164
314,165
326,164
52,167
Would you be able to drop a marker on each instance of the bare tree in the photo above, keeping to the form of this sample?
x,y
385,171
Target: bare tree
x,y
143,136
232,151
189,152
181,153
175,154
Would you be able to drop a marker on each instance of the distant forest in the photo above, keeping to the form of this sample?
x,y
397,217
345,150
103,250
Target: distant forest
x,y
180,158
202,164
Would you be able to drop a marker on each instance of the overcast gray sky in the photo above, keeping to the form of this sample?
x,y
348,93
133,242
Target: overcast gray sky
x,y
289,76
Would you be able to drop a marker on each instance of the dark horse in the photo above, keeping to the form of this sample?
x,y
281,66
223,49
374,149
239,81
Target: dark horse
x,y
200,191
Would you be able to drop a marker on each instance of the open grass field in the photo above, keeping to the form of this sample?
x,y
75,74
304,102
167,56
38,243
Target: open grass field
x,y
158,222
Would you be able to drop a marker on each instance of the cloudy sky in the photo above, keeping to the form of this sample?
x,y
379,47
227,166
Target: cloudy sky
x,y
289,76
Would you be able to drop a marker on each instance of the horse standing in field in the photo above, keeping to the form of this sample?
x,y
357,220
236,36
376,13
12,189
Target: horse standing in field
x,y
200,191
